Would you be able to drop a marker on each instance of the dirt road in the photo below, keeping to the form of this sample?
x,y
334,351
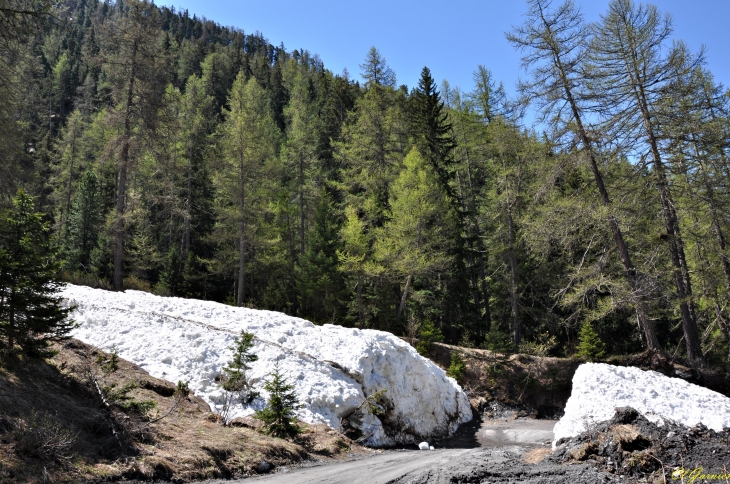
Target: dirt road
x,y
505,451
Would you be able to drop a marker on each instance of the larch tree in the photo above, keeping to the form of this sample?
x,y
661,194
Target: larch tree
x,y
554,43
138,54
632,67
411,243
248,139
375,70
300,150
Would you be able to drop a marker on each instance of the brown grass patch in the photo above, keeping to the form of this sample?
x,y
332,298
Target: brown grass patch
x,y
188,444
535,456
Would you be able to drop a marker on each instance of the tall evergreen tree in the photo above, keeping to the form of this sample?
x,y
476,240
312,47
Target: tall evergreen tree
x,y
433,133
555,43
319,281
136,42
84,222
248,140
31,314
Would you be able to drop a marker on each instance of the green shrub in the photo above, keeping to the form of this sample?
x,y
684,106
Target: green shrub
x,y
590,345
498,342
541,346
457,367
43,435
119,397
428,334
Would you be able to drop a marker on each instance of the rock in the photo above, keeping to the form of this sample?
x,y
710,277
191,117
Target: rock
x,y
248,422
423,446
641,449
263,467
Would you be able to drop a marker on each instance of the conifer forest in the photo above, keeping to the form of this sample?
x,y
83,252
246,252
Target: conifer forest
x,y
173,155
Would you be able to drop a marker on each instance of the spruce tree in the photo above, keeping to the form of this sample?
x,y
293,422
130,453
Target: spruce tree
x,y
84,222
433,132
31,315
319,281
278,416
590,345
237,381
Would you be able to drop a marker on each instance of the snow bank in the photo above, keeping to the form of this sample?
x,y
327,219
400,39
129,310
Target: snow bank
x,y
599,388
332,368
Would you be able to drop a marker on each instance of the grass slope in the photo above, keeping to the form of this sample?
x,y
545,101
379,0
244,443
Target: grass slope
x,y
54,426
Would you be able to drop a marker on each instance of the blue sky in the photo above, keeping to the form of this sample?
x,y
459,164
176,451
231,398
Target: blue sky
x,y
451,38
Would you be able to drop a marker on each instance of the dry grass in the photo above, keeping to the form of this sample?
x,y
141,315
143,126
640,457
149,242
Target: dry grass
x,y
535,456
188,444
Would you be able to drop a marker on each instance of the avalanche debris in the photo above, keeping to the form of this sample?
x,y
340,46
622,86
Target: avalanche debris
x,y
334,369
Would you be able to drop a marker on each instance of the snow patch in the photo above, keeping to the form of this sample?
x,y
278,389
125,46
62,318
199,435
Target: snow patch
x,y
332,368
599,388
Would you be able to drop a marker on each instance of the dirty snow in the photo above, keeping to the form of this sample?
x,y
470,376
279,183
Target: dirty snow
x,y
599,388
332,368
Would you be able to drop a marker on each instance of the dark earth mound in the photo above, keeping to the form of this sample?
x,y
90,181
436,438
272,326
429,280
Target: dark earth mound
x,y
630,445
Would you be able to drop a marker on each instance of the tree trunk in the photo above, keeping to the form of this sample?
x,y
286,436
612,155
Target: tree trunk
x,y
241,237
123,166
301,204
516,336
481,250
359,301
64,228
676,245
402,305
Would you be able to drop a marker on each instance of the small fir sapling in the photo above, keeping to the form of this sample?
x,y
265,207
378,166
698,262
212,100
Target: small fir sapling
x,y
279,414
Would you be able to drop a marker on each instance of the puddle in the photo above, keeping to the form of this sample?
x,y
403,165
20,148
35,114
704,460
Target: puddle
x,y
497,433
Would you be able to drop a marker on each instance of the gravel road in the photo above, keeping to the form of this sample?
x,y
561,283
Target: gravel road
x,y
504,455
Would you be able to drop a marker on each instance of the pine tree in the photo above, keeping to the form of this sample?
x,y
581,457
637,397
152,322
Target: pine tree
x,y
278,415
31,315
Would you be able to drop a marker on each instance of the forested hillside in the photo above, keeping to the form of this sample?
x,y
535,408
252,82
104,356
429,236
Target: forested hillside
x,y
177,156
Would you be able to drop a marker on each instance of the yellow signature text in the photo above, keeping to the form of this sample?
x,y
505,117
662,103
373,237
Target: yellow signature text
x,y
697,474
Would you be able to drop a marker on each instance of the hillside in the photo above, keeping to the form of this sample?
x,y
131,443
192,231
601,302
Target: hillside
x,y
55,427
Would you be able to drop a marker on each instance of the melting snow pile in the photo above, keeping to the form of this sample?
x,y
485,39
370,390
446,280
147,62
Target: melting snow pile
x,y
332,368
599,388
